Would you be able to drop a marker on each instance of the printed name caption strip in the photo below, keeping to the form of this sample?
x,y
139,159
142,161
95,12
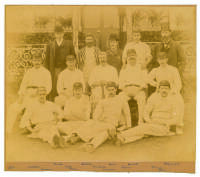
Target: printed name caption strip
x,y
180,167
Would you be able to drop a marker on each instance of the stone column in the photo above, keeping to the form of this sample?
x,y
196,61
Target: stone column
x,y
76,27
129,24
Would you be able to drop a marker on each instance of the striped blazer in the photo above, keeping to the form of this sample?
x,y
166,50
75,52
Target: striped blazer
x,y
81,57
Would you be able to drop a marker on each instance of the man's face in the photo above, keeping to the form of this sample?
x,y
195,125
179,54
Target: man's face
x,y
59,35
113,45
78,92
70,64
103,58
131,60
164,91
36,62
165,35
136,36
111,91
89,41
162,61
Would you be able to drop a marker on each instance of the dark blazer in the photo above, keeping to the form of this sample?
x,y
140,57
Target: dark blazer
x,y
176,56
50,53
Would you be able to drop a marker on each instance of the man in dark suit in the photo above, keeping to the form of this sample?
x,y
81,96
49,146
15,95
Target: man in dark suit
x,y
172,48
56,53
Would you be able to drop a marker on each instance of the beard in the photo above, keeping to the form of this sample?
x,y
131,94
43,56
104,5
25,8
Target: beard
x,y
166,39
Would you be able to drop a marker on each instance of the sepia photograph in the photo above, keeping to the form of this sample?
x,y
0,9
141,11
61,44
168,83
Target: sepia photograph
x,y
100,88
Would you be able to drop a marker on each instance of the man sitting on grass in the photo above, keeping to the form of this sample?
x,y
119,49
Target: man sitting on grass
x,y
111,114
160,114
76,112
41,119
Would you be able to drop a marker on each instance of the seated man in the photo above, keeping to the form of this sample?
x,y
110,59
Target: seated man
x,y
41,118
160,115
107,118
132,82
76,111
35,77
66,79
171,74
99,77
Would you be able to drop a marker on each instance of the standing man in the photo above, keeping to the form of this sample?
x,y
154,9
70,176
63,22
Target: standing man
x,y
56,53
88,58
143,51
114,53
175,53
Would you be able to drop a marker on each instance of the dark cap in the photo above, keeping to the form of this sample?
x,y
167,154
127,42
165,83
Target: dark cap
x,y
164,83
70,58
58,29
131,52
113,37
77,85
111,84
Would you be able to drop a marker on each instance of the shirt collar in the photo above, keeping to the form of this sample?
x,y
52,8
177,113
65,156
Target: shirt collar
x,y
60,42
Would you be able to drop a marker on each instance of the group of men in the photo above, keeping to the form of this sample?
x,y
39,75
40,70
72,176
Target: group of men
x,y
97,95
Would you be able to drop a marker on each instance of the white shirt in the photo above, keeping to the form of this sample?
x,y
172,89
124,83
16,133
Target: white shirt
x,y
40,113
143,52
40,77
112,110
67,78
132,75
77,109
169,73
160,108
103,73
